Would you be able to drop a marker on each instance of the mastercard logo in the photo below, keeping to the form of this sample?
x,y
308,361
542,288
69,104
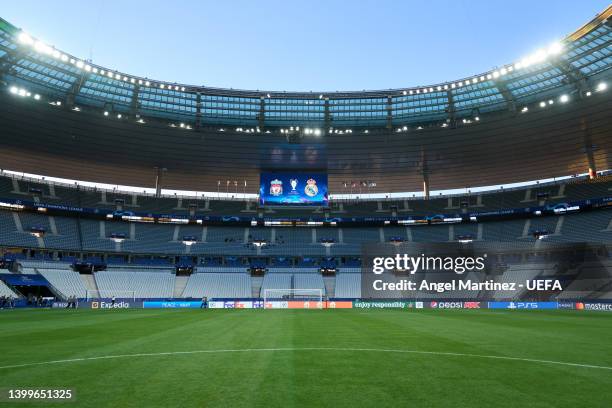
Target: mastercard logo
x,y
579,306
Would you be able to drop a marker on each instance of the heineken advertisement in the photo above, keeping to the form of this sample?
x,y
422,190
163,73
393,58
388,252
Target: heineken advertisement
x,y
382,304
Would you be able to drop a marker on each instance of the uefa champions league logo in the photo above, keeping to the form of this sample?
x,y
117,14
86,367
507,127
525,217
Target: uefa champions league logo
x,y
294,184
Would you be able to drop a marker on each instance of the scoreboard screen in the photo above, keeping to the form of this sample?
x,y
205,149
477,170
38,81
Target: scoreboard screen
x,y
293,189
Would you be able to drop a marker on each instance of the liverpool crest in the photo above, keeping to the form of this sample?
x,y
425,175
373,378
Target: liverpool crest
x,y
276,187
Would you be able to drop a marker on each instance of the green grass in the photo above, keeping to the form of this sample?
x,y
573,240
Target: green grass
x,y
289,378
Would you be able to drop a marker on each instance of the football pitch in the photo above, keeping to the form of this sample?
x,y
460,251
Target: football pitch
x,y
294,358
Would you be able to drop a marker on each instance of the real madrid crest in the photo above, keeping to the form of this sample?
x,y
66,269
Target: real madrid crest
x,y
311,188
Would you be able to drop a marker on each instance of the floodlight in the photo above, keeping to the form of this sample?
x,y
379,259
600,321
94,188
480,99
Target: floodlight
x,y
24,38
602,86
555,48
40,46
564,98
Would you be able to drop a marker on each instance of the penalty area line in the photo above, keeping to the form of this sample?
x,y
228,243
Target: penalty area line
x,y
299,349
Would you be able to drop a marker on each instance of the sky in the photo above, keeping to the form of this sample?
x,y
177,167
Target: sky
x,y
290,45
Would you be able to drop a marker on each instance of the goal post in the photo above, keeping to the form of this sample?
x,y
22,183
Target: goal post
x,y
311,298
107,294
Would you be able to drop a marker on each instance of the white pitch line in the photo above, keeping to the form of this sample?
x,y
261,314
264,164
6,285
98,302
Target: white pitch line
x,y
373,350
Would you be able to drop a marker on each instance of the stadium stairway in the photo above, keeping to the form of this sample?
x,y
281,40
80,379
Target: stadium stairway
x,y
90,282
330,286
256,282
179,286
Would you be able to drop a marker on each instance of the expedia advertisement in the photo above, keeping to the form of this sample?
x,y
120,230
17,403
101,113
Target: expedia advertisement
x,y
293,189
516,275
119,304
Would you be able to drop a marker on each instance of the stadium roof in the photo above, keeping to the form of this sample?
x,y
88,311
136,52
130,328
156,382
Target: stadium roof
x,y
564,67
547,116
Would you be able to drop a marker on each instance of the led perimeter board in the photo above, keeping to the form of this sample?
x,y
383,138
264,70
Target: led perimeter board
x,y
293,189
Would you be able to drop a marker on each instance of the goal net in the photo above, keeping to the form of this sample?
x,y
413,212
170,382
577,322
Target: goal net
x,y
304,298
108,294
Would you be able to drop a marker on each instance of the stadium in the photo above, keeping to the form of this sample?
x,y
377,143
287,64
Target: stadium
x,y
167,244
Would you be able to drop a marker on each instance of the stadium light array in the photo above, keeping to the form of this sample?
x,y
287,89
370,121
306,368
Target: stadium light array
x,y
537,57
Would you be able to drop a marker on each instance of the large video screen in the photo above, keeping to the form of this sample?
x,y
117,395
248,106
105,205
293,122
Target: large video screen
x,y
293,189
